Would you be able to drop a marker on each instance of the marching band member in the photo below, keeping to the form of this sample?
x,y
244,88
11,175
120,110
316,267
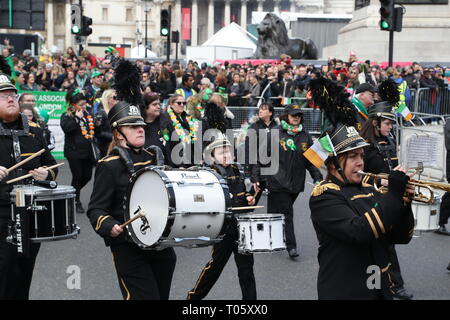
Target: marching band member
x,y
285,186
355,224
19,139
381,157
220,151
142,274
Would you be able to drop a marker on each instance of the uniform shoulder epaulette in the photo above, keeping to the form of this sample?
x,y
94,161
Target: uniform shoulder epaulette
x,y
322,187
108,158
33,124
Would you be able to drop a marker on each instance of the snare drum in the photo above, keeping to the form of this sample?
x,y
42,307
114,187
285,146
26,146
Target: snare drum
x,y
184,208
426,216
261,233
50,213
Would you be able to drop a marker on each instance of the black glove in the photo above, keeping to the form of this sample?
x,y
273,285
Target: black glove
x,y
397,182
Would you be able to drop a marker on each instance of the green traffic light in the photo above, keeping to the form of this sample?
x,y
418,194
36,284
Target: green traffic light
x,y
76,29
164,31
384,24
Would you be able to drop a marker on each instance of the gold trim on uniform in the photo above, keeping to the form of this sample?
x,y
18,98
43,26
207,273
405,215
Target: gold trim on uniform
x,y
100,222
108,158
33,124
374,230
359,196
208,266
52,173
386,268
126,289
240,194
322,187
142,163
377,217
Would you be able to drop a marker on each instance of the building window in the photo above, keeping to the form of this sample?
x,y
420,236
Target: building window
x,y
128,41
129,15
105,14
104,39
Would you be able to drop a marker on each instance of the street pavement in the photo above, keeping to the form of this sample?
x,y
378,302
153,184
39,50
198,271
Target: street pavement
x,y
423,262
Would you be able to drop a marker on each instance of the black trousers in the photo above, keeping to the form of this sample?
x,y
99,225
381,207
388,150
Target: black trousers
x,y
444,212
16,270
81,174
394,271
221,253
144,274
283,202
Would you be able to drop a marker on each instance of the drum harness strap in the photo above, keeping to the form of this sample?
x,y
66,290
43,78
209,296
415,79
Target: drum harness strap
x,y
126,159
387,152
15,134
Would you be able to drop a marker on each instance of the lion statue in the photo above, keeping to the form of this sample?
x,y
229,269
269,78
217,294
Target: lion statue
x,y
273,41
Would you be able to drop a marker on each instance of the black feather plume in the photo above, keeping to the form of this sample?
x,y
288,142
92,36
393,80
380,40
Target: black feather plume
x,y
127,78
333,101
388,91
4,66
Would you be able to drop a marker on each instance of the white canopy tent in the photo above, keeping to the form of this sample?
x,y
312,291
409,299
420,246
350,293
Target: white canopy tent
x,y
139,52
230,42
231,35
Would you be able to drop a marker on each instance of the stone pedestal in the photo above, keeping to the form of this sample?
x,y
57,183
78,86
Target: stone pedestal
x,y
425,35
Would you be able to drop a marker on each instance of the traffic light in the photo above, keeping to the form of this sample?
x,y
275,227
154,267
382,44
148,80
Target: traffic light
x,y
398,18
387,15
165,23
75,17
86,23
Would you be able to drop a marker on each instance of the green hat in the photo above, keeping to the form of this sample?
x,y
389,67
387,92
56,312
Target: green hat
x,y
111,50
96,74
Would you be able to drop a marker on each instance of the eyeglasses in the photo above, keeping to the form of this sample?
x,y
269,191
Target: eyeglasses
x,y
180,103
114,97
7,96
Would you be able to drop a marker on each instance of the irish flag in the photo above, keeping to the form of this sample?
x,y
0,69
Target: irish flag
x,y
319,151
286,100
404,111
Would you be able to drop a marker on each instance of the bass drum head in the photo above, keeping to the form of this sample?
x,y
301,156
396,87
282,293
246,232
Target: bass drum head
x,y
150,194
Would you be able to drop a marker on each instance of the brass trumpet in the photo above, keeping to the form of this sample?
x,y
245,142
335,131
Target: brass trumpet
x,y
418,196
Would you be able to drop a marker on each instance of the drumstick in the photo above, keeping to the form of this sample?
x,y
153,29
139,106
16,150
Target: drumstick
x,y
34,155
140,214
29,174
247,208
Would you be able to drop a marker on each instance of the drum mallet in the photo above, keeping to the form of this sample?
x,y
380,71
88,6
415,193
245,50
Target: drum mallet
x,y
140,214
34,155
29,174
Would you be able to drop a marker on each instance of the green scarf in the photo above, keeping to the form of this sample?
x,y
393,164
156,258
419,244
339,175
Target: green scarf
x,y
359,105
291,130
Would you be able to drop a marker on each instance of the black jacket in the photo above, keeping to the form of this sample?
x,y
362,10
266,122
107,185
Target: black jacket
x,y
262,133
29,144
355,226
380,157
110,187
75,144
153,136
291,173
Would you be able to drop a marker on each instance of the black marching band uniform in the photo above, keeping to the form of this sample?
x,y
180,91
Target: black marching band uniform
x,y
221,251
18,140
355,224
142,274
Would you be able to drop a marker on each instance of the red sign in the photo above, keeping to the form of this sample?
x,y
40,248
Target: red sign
x,y
186,24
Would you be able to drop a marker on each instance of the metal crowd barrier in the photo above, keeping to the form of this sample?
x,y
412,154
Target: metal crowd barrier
x,y
431,101
312,118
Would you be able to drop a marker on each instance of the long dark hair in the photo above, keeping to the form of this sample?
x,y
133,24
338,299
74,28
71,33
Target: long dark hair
x,y
369,132
215,117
